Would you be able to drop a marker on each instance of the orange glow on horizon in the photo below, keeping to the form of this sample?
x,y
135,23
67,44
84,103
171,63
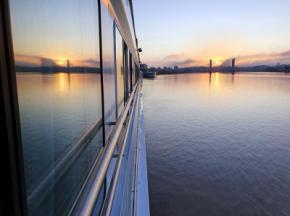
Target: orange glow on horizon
x,y
217,60
61,62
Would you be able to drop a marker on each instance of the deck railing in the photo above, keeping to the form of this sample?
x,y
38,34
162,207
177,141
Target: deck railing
x,y
88,197
45,186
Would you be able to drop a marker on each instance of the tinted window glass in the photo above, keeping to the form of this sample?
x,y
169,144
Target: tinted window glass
x,y
133,72
108,68
56,48
136,72
120,71
127,70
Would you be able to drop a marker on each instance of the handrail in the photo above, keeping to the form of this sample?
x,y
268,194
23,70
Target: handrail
x,y
43,188
108,203
136,179
88,198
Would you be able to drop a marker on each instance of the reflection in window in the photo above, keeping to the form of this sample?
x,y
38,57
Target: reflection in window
x,y
127,70
120,72
56,47
108,68
137,73
133,73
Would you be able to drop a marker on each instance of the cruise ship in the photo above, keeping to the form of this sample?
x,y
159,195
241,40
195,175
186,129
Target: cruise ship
x,y
72,125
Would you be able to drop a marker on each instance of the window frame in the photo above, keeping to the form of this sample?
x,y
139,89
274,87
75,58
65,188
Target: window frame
x,y
14,202
117,31
131,71
126,68
107,133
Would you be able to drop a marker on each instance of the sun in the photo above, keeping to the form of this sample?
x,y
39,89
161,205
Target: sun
x,y
217,60
61,62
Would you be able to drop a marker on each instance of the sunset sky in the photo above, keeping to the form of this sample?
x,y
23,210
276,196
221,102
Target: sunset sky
x,y
189,32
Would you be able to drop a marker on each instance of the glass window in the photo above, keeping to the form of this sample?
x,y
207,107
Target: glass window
x,y
56,48
132,65
108,68
120,72
127,70
129,74
136,73
133,73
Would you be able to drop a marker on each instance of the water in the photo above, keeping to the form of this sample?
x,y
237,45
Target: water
x,y
219,144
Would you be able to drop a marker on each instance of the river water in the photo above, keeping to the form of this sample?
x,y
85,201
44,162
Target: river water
x,y
218,144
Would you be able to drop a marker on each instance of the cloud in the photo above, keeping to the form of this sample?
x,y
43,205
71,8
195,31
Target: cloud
x,y
261,59
27,60
91,63
179,60
173,56
244,60
184,63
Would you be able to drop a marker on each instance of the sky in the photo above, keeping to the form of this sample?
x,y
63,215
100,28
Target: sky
x,y
42,39
190,32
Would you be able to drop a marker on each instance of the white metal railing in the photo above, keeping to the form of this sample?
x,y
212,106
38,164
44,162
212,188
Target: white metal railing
x,y
85,204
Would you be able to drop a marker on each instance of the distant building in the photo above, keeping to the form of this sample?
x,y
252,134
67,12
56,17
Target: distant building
x,y
144,67
175,67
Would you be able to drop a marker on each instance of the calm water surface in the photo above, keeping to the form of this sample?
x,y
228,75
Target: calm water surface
x,y
219,144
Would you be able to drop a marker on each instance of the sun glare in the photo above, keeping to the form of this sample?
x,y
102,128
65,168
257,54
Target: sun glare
x,y
217,60
61,61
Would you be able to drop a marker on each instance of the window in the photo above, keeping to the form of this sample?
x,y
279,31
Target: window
x,y
127,70
137,73
56,47
132,65
108,69
120,72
